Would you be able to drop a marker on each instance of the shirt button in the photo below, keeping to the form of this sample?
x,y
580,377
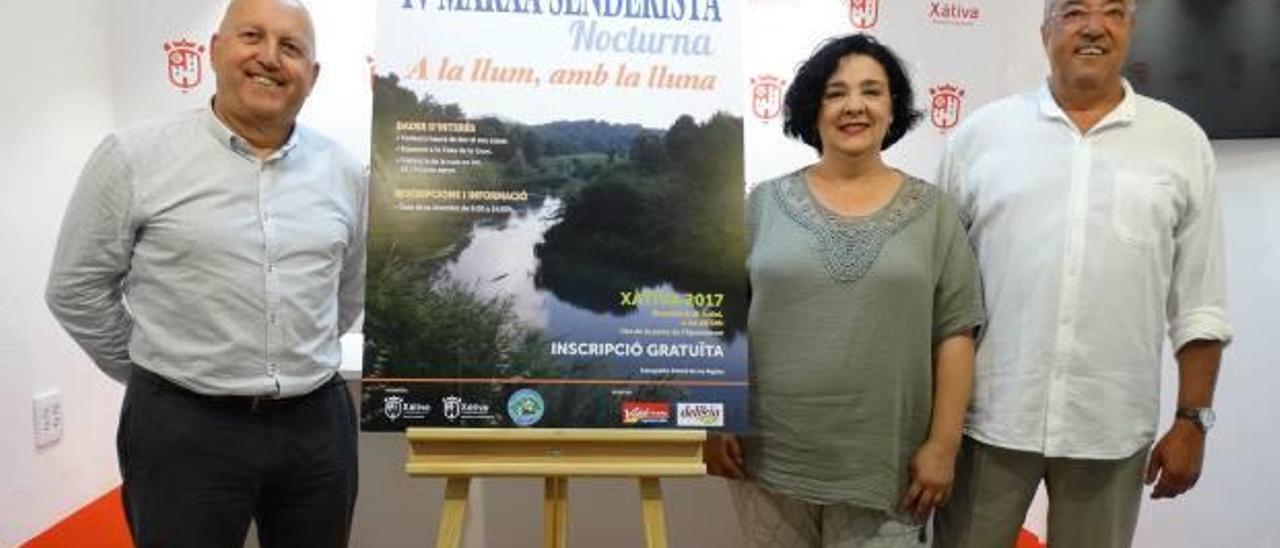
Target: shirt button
x,y
271,267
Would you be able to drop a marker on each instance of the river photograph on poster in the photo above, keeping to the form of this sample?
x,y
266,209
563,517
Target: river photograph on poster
x,y
556,228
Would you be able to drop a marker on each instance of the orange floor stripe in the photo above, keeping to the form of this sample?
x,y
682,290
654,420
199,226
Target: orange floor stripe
x,y
1027,539
99,524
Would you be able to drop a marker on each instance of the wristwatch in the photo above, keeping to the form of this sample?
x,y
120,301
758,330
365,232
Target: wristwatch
x,y
1201,416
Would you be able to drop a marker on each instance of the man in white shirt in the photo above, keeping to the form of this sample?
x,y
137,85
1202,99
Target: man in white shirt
x,y
1096,223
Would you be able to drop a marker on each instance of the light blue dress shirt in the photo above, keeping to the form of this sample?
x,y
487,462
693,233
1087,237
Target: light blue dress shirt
x,y
185,254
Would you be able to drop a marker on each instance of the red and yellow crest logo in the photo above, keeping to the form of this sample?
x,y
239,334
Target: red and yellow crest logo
x,y
186,64
944,107
766,96
864,13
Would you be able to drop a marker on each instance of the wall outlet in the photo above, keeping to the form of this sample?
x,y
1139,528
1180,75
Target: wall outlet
x,y
47,412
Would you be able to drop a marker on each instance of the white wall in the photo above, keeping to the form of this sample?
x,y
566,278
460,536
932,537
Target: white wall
x,y
338,106
55,105
78,68
1233,505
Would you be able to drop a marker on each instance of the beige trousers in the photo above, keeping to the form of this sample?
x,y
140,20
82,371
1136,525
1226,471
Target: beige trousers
x,y
773,520
1092,503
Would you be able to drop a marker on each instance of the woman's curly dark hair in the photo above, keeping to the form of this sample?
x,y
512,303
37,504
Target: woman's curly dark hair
x,y
804,96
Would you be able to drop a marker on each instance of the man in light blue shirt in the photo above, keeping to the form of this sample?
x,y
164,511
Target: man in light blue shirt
x,y
211,260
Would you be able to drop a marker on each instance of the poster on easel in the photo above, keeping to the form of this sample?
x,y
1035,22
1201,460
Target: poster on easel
x,y
556,216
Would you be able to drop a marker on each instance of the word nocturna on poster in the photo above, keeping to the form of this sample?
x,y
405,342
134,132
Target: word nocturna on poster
x,y
586,35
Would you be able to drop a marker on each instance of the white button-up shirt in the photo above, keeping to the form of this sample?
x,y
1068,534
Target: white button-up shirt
x,y
1090,246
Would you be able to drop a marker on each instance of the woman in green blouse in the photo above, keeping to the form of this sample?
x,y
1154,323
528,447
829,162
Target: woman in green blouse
x,y
865,303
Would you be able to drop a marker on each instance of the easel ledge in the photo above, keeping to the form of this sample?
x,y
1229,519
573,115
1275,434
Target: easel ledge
x,y
460,454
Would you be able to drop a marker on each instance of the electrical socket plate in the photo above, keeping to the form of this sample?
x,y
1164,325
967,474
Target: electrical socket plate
x,y
47,412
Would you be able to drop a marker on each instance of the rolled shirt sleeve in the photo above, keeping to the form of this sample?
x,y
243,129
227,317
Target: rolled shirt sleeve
x,y
1196,306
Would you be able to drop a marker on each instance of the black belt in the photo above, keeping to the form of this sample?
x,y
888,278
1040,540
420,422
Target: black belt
x,y
252,404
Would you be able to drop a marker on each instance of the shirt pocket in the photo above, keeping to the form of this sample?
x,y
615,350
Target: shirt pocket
x,y
1141,208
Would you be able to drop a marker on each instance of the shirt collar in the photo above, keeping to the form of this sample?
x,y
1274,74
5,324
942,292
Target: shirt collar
x,y
237,144
1122,114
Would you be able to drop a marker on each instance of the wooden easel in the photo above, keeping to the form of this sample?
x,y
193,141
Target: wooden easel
x,y
460,454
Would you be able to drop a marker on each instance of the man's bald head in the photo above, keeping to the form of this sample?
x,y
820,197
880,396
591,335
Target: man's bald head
x,y
264,58
235,9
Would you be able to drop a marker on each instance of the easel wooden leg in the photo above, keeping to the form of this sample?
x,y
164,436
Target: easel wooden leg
x,y
655,521
555,512
454,512
555,455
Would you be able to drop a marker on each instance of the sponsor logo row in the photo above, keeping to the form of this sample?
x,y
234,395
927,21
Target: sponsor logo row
x,y
526,407
699,415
